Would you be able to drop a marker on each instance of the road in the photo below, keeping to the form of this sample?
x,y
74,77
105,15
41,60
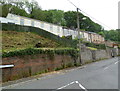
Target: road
x,y
98,75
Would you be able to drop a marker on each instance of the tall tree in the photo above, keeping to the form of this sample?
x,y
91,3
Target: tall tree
x,y
113,35
16,10
70,18
55,16
85,22
8,6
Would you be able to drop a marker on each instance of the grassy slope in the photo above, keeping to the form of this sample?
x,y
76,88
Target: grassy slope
x,y
12,40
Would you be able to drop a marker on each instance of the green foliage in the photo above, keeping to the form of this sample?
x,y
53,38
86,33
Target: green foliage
x,y
54,16
13,7
5,10
37,14
70,18
85,22
59,17
92,48
18,11
113,35
56,69
31,6
98,46
51,52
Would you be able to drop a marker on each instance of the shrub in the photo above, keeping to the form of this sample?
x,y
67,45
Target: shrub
x,y
50,52
98,46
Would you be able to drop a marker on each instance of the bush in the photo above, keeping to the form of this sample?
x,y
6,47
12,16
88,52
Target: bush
x,y
98,46
50,52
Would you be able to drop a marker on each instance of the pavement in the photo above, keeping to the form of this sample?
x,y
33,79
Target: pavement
x,y
98,75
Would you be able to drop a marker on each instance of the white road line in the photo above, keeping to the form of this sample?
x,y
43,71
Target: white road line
x,y
116,62
65,86
110,65
80,85
106,68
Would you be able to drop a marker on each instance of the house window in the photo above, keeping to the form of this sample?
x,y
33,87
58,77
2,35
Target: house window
x,y
42,25
32,23
21,21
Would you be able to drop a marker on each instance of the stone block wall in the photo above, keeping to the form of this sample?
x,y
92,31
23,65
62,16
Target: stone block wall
x,y
86,56
101,54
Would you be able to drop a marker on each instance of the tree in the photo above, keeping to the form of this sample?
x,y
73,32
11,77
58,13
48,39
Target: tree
x,y
58,16
5,10
87,24
112,35
8,6
16,10
37,14
48,16
55,17
70,18
31,6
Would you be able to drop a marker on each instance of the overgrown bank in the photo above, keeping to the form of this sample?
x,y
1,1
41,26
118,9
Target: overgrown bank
x,y
63,42
12,40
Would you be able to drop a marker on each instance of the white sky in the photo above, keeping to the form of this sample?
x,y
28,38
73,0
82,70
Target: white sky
x,y
106,11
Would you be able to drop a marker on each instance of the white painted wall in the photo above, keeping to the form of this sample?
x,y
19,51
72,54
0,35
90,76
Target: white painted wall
x,y
27,22
86,36
37,24
14,17
5,20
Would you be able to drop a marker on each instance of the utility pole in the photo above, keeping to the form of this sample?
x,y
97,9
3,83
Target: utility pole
x,y
78,29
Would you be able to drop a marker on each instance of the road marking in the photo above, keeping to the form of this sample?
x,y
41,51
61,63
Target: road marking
x,y
106,68
116,62
80,85
110,65
65,86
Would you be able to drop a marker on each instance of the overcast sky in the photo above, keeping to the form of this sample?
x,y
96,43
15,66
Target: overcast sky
x,y
106,11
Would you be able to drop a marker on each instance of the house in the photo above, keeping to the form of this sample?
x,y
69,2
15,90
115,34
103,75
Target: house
x,y
95,38
111,44
86,36
5,20
20,20
52,28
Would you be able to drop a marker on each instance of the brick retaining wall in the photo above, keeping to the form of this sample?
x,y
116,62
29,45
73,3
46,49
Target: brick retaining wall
x,y
29,65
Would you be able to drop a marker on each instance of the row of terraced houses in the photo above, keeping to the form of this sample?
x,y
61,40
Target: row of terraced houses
x,y
52,28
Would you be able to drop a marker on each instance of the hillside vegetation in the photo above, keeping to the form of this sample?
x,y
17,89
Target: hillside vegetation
x,y
31,9
12,40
